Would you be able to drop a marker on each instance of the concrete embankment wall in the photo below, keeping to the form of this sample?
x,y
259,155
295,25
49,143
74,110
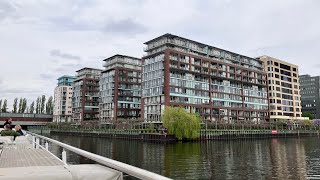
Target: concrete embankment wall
x,y
117,135
254,134
146,135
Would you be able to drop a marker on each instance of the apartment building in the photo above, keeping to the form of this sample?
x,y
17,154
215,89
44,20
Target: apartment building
x,y
62,111
120,89
284,90
220,85
85,99
310,94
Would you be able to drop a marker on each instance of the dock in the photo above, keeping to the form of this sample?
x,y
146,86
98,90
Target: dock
x,y
26,158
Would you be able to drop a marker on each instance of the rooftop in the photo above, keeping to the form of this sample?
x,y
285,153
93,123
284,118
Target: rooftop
x,y
278,60
199,43
66,76
121,56
87,68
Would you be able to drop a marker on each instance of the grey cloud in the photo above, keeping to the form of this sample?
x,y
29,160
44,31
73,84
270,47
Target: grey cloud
x,y
66,24
68,68
46,76
126,26
6,9
58,53
18,91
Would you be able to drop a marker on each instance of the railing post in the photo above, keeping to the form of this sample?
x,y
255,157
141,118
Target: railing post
x,y
47,146
33,142
37,143
64,156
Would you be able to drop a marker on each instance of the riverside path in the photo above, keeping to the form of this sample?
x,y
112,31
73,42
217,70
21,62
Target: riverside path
x,y
28,157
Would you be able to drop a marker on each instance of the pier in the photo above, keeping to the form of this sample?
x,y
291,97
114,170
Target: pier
x,y
29,157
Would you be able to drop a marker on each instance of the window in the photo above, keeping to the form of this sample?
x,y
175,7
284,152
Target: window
x,y
276,64
287,73
283,66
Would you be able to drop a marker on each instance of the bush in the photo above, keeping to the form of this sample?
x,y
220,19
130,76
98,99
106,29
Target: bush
x,y
181,123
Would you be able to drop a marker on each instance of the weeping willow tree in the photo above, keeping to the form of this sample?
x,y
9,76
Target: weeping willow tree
x,y
180,123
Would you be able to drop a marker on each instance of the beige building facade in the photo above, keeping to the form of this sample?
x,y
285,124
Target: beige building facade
x,y
62,111
284,89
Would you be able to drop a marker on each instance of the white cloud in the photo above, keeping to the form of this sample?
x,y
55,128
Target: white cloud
x,y
42,40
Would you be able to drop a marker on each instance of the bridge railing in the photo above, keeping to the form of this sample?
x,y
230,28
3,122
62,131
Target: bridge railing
x,y
119,166
25,115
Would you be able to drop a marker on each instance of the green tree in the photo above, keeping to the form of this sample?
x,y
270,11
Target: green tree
x,y
38,106
15,103
20,105
43,100
308,114
0,105
49,106
181,123
24,105
4,106
31,110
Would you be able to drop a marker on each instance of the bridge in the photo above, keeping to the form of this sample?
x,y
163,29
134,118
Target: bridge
x,y
25,119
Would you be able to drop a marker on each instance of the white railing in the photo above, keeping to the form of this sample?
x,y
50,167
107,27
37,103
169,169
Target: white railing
x,y
119,166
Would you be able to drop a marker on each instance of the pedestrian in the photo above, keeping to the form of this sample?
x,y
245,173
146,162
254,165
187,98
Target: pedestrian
x,y
9,132
19,130
8,123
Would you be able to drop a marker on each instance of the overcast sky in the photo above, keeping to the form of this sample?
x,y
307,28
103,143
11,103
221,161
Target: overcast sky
x,y
41,40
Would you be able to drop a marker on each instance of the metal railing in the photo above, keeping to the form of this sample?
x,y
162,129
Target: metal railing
x,y
119,166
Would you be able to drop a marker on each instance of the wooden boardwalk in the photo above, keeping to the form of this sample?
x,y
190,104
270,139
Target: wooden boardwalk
x,y
19,160
11,157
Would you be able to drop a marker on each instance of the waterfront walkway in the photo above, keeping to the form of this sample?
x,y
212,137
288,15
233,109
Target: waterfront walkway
x,y
26,158
19,160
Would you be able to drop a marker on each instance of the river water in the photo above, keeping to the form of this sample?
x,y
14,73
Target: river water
x,y
282,158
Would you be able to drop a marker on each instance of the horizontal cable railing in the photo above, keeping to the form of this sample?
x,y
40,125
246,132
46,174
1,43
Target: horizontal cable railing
x,y
119,166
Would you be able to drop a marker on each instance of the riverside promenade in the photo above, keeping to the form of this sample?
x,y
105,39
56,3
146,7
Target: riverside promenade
x,y
28,157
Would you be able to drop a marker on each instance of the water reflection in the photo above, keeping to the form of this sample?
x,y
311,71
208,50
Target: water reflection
x,y
291,158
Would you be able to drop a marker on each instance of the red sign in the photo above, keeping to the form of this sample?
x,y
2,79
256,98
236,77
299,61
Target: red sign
x,y
274,132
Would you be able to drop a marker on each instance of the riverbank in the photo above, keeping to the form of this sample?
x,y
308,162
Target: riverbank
x,y
152,135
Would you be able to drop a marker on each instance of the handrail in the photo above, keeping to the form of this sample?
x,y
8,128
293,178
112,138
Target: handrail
x,y
126,168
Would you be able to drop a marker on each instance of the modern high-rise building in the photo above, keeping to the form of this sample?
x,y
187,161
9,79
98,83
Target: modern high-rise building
x,y
120,89
62,111
85,99
220,85
310,94
284,91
